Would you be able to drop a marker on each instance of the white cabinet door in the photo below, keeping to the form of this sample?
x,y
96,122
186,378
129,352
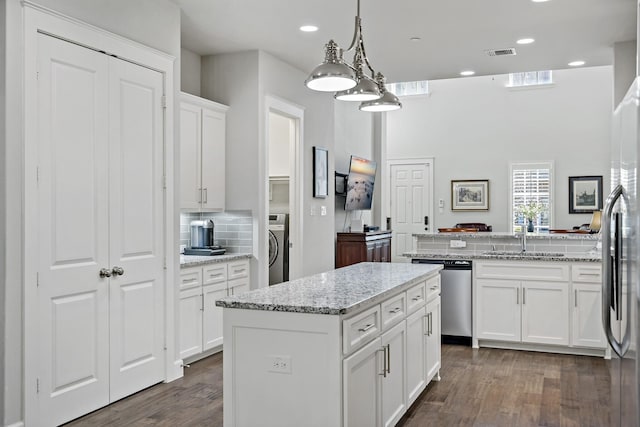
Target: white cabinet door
x,y
212,315
587,315
190,159
394,383
498,309
190,322
362,376
545,313
416,355
432,360
213,160
238,286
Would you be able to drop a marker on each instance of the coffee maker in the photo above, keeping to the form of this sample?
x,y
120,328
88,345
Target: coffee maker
x,y
201,241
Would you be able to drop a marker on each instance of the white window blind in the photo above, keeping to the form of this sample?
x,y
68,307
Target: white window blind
x,y
531,183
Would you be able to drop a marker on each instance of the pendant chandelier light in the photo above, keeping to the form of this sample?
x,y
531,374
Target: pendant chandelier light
x,y
349,81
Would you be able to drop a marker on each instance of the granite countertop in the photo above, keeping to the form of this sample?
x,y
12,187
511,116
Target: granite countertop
x,y
335,292
505,235
195,260
513,256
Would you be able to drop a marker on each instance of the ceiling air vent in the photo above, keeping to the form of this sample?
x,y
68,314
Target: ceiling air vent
x,y
501,52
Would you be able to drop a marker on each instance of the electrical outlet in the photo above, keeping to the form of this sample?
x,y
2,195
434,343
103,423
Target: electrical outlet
x,y
323,210
279,364
457,244
313,211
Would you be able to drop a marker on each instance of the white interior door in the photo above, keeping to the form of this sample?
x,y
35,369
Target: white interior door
x,y
136,224
73,229
100,198
410,204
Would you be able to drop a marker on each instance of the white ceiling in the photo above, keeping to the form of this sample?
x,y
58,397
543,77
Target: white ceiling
x,y
454,33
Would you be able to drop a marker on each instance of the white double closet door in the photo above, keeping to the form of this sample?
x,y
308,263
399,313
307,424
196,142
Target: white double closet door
x,y
100,198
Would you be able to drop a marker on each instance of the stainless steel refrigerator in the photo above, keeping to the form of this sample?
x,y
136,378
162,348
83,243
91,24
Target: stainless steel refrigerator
x,y
620,252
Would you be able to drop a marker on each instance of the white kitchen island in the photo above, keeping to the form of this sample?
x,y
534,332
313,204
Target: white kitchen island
x,y
350,347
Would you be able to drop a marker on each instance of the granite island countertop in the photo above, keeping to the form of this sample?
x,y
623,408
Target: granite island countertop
x,y
196,260
335,292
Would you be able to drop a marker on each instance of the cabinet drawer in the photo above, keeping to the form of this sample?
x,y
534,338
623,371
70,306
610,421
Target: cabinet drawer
x,y
548,271
433,287
393,310
361,328
416,297
586,273
238,269
190,278
214,274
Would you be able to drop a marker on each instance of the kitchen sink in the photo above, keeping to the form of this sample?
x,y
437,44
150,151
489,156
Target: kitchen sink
x,y
524,254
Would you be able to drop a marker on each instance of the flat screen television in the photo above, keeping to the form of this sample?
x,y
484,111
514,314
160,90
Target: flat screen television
x,y
362,175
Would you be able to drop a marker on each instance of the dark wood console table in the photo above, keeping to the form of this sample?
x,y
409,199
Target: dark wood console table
x,y
373,246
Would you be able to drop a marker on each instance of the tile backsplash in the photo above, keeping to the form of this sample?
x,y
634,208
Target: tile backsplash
x,y
233,229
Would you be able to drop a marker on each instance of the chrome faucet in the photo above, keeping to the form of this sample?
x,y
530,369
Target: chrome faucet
x,y
523,240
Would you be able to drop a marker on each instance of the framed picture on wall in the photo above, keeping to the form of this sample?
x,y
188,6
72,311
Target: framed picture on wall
x,y
470,195
585,194
320,172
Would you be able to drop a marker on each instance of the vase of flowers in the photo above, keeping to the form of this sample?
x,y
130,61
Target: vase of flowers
x,y
530,212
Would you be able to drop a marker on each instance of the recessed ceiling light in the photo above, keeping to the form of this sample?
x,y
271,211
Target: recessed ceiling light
x,y
308,28
527,40
539,1
576,63
467,73
415,39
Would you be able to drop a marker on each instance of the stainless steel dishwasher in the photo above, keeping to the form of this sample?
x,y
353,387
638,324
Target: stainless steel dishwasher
x,y
455,299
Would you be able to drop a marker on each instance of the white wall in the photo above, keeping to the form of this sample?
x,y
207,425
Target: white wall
x,y
473,128
190,74
279,140
624,68
242,81
155,23
3,179
353,135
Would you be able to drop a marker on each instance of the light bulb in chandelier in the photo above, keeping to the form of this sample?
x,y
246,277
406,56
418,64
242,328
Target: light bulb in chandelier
x,y
387,102
333,74
365,90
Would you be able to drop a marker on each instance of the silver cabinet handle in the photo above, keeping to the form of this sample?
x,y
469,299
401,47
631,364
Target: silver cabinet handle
x,y
366,327
206,195
517,296
575,298
523,295
201,302
388,358
117,271
199,194
425,324
384,361
395,310
105,272
430,323
416,298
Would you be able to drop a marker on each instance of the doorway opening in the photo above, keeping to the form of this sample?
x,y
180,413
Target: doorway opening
x,y
284,214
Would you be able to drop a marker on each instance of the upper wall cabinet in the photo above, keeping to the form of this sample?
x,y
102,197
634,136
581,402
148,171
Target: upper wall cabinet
x,y
202,154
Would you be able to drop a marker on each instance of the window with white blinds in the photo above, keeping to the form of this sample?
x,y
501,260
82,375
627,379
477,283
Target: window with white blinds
x,y
531,183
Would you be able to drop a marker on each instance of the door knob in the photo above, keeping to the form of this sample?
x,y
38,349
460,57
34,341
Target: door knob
x,y
117,271
104,272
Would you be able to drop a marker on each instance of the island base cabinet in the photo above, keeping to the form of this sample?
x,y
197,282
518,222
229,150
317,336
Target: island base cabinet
x,y
362,374
433,338
416,355
394,383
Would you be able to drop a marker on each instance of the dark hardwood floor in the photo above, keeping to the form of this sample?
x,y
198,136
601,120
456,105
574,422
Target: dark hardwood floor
x,y
486,387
